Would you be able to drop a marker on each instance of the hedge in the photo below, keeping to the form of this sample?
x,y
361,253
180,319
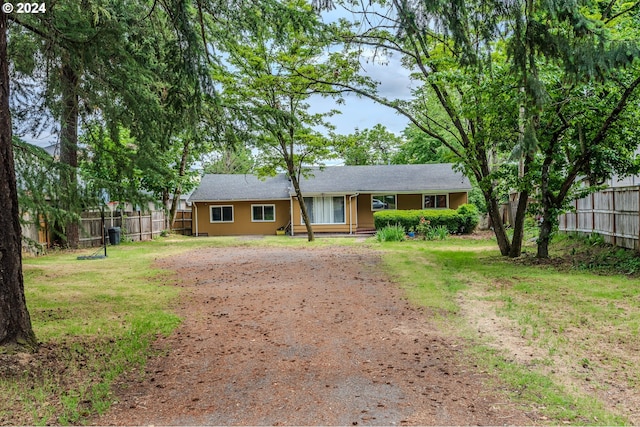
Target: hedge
x,y
463,220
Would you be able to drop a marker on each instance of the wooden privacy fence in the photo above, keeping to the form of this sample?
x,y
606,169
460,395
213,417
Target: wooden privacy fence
x,y
613,213
182,223
134,226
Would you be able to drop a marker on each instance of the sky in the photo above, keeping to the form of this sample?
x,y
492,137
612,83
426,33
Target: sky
x,y
358,113
363,113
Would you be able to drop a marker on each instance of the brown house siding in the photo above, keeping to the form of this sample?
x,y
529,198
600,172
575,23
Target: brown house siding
x,y
242,224
457,199
404,202
358,215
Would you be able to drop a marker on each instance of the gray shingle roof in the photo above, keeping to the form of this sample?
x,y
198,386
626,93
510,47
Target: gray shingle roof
x,y
240,187
386,178
335,179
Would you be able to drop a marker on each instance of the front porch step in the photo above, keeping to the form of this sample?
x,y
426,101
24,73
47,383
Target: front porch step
x,y
366,231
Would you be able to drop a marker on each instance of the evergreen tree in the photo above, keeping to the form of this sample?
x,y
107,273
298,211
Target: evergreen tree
x,y
15,323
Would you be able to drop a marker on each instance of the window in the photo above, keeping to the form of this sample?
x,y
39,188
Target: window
x,y
325,210
221,213
435,201
263,213
383,201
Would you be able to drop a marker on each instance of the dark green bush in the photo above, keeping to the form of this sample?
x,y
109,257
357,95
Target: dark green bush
x,y
463,220
470,217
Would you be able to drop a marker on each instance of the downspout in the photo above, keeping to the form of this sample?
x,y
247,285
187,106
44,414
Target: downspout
x,y
291,211
195,206
351,212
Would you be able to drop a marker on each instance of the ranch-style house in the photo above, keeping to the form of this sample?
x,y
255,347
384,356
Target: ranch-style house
x,y
340,199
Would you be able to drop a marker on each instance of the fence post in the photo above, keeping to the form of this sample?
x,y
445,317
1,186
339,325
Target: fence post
x,y
638,241
593,212
613,211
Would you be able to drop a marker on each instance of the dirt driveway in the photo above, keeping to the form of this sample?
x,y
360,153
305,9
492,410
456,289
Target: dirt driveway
x,y
300,336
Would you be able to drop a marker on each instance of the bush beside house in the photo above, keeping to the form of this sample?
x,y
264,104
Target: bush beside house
x,y
462,220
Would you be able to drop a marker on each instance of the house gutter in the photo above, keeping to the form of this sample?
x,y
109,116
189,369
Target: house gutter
x,y
351,212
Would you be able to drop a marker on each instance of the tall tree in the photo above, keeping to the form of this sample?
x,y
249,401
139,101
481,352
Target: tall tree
x,y
267,60
484,71
449,47
375,146
15,323
230,160
419,148
579,69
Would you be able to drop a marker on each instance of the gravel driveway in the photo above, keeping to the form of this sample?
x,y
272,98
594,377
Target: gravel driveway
x,y
303,336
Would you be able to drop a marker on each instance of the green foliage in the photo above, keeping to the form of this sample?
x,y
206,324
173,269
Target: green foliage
x,y
411,218
420,148
462,220
547,86
40,195
237,159
391,233
470,218
375,146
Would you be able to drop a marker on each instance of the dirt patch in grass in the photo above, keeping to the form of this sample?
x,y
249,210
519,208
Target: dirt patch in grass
x,y
304,336
42,379
586,352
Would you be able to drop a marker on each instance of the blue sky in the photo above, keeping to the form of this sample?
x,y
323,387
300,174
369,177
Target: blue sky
x,y
363,113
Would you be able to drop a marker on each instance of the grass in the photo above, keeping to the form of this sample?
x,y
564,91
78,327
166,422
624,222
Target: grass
x,y
96,320
575,322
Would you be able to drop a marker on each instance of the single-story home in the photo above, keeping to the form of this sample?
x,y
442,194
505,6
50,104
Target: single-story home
x,y
340,199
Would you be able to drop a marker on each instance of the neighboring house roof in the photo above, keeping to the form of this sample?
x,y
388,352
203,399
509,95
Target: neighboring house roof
x,y
53,150
225,187
334,179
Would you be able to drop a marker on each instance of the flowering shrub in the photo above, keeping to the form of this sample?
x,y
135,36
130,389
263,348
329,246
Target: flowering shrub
x,y
427,232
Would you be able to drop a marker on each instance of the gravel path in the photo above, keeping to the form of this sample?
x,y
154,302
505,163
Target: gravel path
x,y
291,336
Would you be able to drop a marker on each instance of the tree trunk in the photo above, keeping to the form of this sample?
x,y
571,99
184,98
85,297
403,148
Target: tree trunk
x,y
544,237
69,152
165,206
518,225
15,322
178,190
498,226
303,207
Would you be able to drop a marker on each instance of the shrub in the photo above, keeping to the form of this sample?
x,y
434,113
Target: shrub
x,y
463,220
391,233
470,217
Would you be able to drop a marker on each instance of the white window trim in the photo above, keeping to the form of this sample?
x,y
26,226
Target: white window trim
x,y
328,223
263,206
233,214
395,196
436,194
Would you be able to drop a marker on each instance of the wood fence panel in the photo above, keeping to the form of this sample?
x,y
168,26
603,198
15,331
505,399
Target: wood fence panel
x,y
613,213
182,223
